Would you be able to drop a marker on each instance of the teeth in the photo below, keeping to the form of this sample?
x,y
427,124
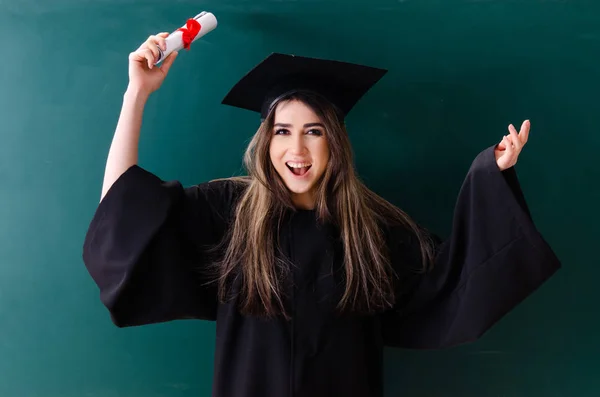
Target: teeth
x,y
298,165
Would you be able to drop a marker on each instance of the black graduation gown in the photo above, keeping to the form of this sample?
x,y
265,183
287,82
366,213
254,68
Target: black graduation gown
x,y
146,247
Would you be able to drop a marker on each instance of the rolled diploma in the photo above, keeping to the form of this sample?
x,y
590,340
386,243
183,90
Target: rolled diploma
x,y
208,23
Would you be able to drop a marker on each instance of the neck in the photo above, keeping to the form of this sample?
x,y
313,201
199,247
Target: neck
x,y
304,201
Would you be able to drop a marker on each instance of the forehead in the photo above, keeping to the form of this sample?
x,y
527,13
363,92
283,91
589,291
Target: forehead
x,y
288,111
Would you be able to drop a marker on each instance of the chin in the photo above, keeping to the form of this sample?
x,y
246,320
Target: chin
x,y
297,190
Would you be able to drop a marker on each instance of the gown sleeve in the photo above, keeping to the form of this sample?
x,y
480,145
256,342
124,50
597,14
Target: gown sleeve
x,y
493,259
146,247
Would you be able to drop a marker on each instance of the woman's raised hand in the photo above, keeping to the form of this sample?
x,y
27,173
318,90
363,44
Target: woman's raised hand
x,y
508,150
144,76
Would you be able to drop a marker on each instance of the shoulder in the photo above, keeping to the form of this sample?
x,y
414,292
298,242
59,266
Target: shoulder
x,y
219,195
219,190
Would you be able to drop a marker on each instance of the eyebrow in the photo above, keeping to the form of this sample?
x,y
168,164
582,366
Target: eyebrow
x,y
284,125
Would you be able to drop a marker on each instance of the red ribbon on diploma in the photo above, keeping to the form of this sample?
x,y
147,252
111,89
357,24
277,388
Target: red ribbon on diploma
x,y
190,31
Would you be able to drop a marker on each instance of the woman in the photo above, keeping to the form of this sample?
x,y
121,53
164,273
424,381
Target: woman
x,y
307,273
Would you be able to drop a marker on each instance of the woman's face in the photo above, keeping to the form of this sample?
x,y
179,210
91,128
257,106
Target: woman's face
x,y
299,150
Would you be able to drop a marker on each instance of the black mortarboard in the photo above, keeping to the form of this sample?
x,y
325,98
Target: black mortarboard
x,y
342,83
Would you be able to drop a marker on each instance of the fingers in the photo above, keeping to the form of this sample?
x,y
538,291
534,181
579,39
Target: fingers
x,y
166,65
150,56
501,145
514,138
148,51
152,44
159,40
524,132
509,147
143,55
519,139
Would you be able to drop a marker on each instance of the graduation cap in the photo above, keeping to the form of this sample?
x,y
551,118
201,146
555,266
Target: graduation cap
x,y
280,75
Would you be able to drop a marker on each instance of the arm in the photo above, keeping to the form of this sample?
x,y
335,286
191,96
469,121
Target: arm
x,y
493,259
144,79
123,151
146,245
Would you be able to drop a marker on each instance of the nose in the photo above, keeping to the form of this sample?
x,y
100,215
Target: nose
x,y
297,145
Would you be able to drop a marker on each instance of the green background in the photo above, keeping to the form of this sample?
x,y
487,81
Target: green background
x,y
459,73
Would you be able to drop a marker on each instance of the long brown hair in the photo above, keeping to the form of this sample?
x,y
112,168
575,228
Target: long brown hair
x,y
250,252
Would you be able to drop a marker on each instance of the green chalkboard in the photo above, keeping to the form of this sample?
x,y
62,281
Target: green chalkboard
x,y
459,73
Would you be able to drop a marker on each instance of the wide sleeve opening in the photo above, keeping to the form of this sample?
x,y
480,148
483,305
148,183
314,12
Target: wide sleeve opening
x,y
493,259
146,248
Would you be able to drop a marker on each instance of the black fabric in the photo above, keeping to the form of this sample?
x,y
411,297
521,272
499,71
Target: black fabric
x,y
146,248
494,258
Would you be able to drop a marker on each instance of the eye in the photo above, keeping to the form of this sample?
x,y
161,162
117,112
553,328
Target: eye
x,y
315,131
281,131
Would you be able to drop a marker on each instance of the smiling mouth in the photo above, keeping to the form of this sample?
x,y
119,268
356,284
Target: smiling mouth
x,y
299,171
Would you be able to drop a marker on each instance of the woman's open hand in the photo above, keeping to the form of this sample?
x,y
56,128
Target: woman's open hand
x,y
508,150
